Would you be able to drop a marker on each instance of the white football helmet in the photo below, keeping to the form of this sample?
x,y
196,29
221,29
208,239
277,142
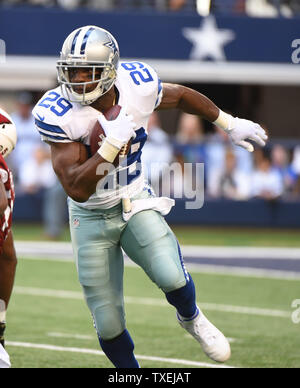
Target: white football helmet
x,y
8,134
88,47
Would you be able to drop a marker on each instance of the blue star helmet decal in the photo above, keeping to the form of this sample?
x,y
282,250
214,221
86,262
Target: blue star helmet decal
x,y
111,45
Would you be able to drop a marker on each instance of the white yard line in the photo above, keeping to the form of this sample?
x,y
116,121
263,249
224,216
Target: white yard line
x,y
42,292
62,294
73,336
100,353
86,337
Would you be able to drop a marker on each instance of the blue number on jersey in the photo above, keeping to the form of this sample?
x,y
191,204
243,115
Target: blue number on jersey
x,y
143,73
61,105
133,157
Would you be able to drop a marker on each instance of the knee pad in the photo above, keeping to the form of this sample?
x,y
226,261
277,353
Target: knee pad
x,y
109,316
166,273
168,267
109,322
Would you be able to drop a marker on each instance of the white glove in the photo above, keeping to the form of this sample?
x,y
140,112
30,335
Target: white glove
x,y
120,130
118,133
240,129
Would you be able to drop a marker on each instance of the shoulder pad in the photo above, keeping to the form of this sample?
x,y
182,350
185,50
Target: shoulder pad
x,y
52,114
142,81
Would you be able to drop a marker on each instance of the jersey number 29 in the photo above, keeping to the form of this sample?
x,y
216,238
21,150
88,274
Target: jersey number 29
x,y
143,74
57,105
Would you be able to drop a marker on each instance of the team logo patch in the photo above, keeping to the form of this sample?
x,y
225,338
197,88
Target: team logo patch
x,y
76,223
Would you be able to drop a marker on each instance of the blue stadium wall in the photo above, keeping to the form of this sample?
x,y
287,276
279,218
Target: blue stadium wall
x,y
40,31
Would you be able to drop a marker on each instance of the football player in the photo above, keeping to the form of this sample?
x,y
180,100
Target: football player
x,y
92,79
8,259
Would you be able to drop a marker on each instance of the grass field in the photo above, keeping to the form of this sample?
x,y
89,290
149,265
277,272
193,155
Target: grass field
x,y
254,313
49,324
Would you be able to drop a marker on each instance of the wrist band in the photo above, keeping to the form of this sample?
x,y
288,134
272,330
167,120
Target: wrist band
x,y
223,121
108,151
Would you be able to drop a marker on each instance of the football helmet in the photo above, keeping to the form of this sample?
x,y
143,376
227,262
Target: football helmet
x,y
93,48
8,134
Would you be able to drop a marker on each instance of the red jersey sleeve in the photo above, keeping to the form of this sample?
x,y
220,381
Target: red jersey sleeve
x,y
6,218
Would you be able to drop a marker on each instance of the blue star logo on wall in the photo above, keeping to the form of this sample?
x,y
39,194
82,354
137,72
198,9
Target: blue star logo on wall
x,y
208,40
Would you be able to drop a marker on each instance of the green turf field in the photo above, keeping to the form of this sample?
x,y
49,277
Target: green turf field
x,y
197,236
261,329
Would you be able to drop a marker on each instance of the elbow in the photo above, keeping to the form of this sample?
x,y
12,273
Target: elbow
x,y
79,199
78,190
79,196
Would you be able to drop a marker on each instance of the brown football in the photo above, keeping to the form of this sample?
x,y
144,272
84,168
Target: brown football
x,y
97,134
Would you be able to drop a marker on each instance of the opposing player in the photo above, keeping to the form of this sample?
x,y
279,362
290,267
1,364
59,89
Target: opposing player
x,y
8,260
92,80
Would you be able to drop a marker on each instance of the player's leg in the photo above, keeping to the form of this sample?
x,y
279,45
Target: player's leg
x,y
8,263
103,292
99,261
149,242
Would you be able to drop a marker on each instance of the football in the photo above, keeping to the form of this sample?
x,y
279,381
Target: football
x,y
97,134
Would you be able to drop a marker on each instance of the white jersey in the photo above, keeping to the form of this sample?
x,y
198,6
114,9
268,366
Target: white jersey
x,y
58,120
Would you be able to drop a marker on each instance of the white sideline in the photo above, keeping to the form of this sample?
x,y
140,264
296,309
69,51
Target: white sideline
x,y
100,353
64,294
230,270
64,249
62,252
242,252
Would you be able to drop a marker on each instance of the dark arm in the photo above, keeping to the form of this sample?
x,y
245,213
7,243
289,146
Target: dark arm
x,y
77,173
189,101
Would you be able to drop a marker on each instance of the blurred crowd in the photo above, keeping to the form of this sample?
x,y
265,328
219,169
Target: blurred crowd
x,y
255,8
230,172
